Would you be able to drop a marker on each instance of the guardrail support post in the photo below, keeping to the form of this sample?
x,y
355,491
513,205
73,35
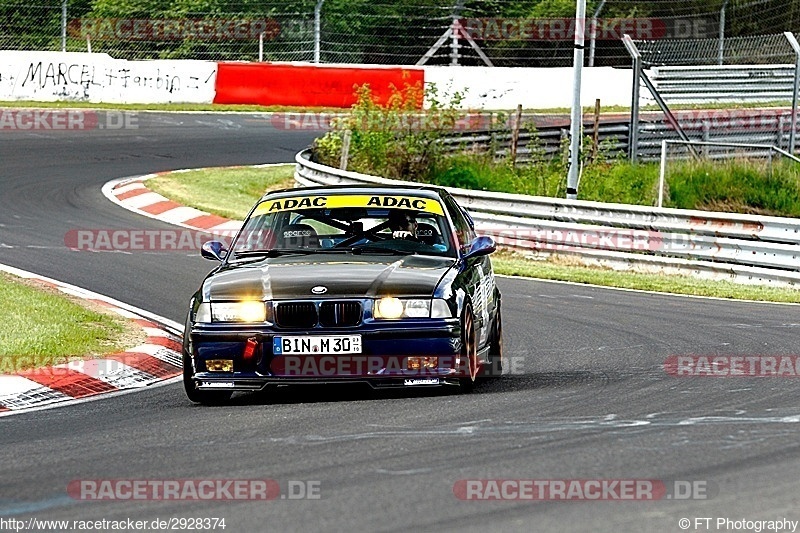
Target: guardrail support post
x,y
345,156
633,130
662,172
796,47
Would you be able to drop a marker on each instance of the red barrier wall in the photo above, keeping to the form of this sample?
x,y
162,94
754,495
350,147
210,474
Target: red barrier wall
x,y
305,85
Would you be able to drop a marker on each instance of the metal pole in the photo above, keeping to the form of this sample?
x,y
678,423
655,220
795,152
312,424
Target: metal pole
x,y
576,121
593,32
261,47
317,29
633,129
721,52
64,26
662,172
796,46
454,43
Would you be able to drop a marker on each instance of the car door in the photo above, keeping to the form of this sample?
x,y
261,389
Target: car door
x,y
477,276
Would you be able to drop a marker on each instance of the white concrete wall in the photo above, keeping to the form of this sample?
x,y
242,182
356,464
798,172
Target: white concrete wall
x,y
534,88
72,76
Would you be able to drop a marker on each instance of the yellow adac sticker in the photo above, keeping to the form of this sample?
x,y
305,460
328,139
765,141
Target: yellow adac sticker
x,y
416,203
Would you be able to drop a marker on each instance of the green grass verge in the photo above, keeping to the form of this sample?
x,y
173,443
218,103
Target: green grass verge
x,y
227,192
42,328
176,107
246,108
513,265
733,186
226,187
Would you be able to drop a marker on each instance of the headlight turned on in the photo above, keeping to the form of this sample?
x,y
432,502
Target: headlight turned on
x,y
391,308
248,312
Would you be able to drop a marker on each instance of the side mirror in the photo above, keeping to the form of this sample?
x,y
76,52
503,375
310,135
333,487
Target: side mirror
x,y
483,245
214,250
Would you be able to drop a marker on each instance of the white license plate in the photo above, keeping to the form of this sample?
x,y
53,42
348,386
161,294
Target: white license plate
x,y
215,385
316,344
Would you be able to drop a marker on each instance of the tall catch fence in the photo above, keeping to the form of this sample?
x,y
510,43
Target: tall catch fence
x,y
500,32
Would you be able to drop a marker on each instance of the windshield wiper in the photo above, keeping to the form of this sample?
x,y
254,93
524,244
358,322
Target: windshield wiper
x,y
272,252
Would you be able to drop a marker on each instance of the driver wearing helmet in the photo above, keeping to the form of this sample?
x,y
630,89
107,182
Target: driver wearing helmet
x,y
403,225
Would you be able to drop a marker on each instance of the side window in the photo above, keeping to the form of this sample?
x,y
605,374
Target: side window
x,y
464,231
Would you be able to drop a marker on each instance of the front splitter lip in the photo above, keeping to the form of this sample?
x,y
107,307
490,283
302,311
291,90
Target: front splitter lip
x,y
376,382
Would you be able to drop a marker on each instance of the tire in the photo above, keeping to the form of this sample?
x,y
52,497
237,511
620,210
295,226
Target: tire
x,y
204,397
469,351
495,367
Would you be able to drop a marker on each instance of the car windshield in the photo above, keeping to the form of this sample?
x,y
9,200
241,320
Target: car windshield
x,y
344,223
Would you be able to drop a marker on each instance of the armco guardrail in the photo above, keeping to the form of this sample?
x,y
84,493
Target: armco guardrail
x,y
760,126
741,248
724,83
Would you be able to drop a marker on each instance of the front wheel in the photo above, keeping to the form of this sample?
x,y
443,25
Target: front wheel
x,y
469,352
204,397
495,366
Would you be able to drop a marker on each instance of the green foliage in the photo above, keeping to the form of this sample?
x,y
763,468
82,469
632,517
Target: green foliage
x,y
398,142
395,140
227,192
619,182
736,185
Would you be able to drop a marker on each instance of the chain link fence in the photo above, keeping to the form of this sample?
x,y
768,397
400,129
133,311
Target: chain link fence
x,y
529,33
748,88
753,50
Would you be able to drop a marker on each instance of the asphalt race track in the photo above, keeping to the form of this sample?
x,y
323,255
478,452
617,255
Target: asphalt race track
x,y
588,398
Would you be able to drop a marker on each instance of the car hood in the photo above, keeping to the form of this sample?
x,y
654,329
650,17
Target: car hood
x,y
343,276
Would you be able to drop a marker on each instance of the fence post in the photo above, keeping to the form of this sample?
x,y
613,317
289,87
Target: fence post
x,y
576,118
317,29
633,129
454,43
515,135
662,172
596,132
593,32
721,51
64,25
796,47
345,158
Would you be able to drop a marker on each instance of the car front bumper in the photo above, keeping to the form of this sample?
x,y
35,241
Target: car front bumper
x,y
399,353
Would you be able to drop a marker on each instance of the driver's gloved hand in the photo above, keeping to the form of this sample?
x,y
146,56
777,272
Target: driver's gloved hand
x,y
402,235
